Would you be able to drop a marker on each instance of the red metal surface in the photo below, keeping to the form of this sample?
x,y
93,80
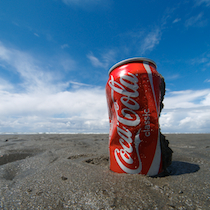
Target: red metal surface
x,y
133,97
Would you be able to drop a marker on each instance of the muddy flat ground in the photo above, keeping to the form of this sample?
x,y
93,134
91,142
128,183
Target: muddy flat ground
x,y
71,171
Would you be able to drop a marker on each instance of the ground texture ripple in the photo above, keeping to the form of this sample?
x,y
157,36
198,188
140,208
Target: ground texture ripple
x,y
71,171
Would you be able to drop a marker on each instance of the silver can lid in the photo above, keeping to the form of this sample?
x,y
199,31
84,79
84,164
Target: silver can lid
x,y
131,60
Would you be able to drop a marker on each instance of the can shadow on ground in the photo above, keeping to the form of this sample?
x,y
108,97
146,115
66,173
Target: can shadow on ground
x,y
179,168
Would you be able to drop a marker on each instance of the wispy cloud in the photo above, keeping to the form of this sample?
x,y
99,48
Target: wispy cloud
x,y
5,85
64,46
81,1
172,77
94,60
77,85
141,41
196,21
177,20
207,80
67,63
203,61
87,3
36,34
200,2
150,41
105,59
32,75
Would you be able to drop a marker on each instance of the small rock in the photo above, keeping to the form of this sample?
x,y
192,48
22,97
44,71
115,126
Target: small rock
x,y
39,192
64,178
29,190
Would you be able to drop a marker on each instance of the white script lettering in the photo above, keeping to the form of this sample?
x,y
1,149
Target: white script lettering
x,y
127,87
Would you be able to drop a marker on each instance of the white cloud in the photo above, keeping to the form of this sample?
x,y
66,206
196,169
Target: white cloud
x,y
202,61
36,34
5,85
36,75
141,41
172,77
64,46
67,63
177,20
196,21
67,111
94,60
26,67
81,1
185,99
87,3
81,85
199,2
4,53
150,41
186,111
106,59
44,105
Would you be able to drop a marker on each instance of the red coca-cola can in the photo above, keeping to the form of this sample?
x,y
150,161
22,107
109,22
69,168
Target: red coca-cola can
x,y
133,97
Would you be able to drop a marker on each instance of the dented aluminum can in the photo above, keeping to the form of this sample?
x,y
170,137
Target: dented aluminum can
x,y
133,98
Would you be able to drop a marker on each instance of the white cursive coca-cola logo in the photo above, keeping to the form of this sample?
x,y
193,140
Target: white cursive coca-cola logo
x,y
128,89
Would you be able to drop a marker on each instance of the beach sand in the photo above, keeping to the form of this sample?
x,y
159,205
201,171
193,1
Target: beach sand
x,y
71,171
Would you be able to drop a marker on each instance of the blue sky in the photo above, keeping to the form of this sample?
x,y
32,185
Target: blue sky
x,y
55,56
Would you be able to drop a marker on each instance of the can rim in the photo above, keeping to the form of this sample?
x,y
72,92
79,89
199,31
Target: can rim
x,y
131,60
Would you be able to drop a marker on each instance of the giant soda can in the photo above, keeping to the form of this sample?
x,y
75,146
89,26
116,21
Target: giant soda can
x,y
133,98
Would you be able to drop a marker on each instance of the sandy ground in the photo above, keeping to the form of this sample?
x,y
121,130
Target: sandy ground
x,y
71,171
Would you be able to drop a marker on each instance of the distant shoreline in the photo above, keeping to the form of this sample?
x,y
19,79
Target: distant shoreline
x,y
54,133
